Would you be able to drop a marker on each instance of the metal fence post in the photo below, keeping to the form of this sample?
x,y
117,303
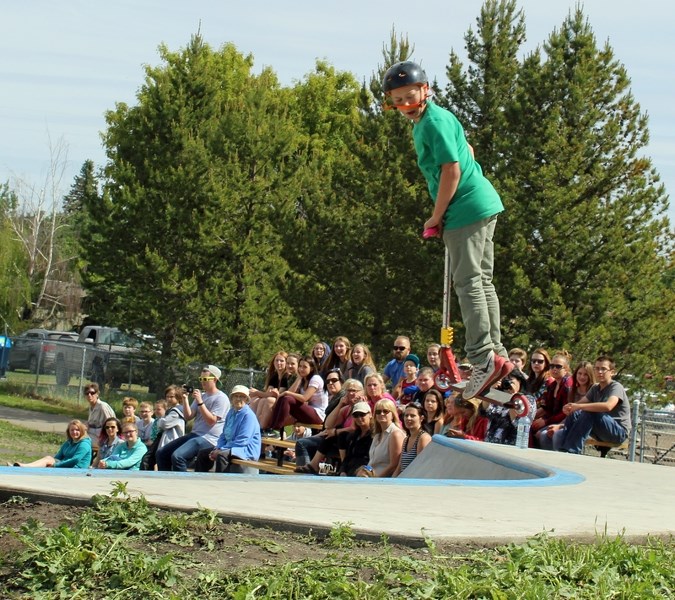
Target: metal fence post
x,y
643,434
635,417
84,362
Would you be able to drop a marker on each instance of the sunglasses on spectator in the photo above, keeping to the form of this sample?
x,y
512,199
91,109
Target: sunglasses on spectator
x,y
90,393
382,411
128,431
204,378
556,366
111,426
399,347
332,380
537,361
359,415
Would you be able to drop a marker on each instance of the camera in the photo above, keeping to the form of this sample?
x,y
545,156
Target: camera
x,y
506,384
188,388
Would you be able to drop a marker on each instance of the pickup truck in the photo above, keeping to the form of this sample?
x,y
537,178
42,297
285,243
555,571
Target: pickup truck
x,y
36,349
104,355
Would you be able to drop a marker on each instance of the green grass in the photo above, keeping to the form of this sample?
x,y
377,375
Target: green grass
x,y
123,548
18,444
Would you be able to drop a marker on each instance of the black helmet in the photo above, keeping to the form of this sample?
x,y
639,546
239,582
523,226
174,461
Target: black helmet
x,y
402,74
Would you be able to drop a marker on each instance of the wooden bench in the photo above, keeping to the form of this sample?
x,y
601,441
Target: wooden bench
x,y
277,442
267,465
605,447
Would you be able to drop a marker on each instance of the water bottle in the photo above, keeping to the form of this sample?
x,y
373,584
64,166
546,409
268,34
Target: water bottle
x,y
523,431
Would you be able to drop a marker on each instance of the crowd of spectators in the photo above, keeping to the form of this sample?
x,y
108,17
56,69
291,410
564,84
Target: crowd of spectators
x,y
347,418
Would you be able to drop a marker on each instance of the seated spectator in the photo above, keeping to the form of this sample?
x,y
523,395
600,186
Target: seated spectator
x,y
299,432
411,365
415,393
110,438
538,377
129,408
362,363
434,356
385,450
320,352
146,423
334,381
129,455
433,410
451,418
305,401
305,448
167,427
502,420
265,408
172,424
276,383
518,358
99,411
149,460
375,390
583,379
393,370
75,453
557,394
158,412
603,413
416,438
208,409
472,426
339,357
338,424
240,437
356,450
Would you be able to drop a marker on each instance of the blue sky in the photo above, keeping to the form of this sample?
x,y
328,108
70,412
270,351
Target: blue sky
x,y
63,64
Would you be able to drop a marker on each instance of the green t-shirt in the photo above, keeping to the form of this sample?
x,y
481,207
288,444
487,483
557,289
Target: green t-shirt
x,y
439,139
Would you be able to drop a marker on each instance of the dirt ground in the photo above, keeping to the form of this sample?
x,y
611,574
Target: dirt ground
x,y
230,545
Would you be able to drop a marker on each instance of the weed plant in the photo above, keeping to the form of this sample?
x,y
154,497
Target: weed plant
x,y
122,548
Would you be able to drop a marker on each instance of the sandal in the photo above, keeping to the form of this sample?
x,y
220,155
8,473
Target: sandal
x,y
306,469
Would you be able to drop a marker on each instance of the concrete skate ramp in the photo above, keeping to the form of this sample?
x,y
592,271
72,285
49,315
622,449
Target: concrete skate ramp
x,y
447,458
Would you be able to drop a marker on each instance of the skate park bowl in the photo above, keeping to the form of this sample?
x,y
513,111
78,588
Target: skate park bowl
x,y
464,462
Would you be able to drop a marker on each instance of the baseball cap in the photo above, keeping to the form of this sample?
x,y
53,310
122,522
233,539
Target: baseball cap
x,y
215,371
239,389
413,358
361,407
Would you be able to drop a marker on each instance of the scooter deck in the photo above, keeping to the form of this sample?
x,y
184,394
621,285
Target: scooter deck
x,y
492,395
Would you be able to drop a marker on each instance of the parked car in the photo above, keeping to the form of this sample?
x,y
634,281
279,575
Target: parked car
x,y
37,347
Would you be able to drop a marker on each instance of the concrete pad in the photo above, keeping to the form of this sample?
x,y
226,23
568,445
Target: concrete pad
x,y
35,421
584,496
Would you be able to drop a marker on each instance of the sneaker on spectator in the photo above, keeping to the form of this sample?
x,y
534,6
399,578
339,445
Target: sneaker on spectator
x,y
483,376
271,433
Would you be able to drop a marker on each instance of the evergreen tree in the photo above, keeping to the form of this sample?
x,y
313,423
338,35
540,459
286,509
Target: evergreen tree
x,y
183,242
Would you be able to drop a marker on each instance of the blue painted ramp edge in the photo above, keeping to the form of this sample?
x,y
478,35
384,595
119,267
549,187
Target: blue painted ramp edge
x,y
540,475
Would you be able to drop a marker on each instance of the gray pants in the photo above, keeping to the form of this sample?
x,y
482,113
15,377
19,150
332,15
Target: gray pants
x,y
471,265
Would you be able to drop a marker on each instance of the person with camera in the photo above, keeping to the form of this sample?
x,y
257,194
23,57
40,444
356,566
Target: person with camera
x,y
208,409
502,420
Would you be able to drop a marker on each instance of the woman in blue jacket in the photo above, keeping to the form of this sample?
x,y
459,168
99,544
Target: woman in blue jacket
x,y
74,454
240,437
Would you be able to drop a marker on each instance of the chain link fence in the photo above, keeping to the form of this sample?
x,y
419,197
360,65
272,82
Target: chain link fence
x,y
60,368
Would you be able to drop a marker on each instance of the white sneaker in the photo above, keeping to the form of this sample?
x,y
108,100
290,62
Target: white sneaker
x,y
483,376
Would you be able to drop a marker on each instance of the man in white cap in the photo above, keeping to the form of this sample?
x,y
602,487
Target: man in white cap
x,y
240,437
208,409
